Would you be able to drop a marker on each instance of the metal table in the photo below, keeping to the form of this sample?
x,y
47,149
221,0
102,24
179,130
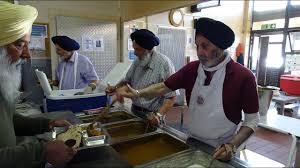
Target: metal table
x,y
282,100
285,124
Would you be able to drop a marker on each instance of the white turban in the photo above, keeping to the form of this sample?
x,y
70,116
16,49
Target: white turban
x,y
15,21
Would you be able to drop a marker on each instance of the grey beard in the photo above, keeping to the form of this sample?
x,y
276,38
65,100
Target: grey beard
x,y
10,77
218,57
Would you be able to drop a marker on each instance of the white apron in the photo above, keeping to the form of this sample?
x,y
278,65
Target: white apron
x,y
208,122
75,55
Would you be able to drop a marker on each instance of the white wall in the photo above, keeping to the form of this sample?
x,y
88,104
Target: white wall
x,y
230,12
48,10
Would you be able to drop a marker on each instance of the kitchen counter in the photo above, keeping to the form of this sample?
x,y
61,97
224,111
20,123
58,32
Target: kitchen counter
x,y
106,156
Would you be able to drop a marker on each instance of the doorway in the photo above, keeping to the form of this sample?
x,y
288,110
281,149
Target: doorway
x,y
266,57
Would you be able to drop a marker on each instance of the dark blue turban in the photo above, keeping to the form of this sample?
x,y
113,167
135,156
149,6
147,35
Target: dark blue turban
x,y
215,31
65,43
145,38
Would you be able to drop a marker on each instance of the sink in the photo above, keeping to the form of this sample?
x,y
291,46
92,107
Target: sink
x,y
111,117
128,129
149,148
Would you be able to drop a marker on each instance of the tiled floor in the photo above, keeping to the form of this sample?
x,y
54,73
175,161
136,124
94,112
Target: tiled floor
x,y
268,147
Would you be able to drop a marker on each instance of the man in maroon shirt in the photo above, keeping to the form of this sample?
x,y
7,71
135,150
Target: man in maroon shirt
x,y
217,90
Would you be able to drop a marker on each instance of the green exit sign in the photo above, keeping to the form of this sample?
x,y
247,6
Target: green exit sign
x,y
268,26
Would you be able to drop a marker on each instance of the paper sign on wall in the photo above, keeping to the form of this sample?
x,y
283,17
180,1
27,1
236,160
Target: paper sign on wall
x,y
37,43
98,43
87,43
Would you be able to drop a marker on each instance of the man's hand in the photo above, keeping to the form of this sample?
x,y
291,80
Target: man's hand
x,y
224,152
58,153
110,90
153,119
127,91
53,82
59,123
88,90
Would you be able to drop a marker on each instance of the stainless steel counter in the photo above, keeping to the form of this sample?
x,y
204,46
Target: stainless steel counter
x,y
198,153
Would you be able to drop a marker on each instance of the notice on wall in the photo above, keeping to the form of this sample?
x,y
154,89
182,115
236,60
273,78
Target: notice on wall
x,y
87,43
38,35
37,43
98,43
39,30
131,55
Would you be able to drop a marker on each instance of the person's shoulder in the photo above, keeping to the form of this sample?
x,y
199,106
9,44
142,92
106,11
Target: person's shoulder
x,y
83,58
80,56
239,69
162,60
161,57
192,66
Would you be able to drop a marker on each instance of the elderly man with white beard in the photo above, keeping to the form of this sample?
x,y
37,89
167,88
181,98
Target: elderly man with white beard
x,y
150,67
16,22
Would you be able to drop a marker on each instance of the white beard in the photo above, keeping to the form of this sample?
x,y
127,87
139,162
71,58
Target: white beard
x,y
10,77
146,59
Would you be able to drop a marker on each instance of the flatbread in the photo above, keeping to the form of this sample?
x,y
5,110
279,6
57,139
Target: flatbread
x,y
72,133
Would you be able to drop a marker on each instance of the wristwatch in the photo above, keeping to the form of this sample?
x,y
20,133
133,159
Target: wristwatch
x,y
137,93
233,148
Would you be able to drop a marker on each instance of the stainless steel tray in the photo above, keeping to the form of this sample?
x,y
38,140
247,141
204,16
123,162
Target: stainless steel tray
x,y
145,149
128,129
86,141
111,117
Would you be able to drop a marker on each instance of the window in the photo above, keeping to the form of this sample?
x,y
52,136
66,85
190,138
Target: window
x,y
274,58
261,6
294,22
293,41
295,2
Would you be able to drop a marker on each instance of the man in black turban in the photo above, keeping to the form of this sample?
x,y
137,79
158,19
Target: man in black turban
x,y
150,67
217,91
75,71
65,43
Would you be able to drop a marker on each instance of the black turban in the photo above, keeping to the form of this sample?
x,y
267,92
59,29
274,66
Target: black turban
x,y
215,31
65,43
145,38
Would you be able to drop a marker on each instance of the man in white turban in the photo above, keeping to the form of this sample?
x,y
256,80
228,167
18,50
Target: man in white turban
x,y
15,27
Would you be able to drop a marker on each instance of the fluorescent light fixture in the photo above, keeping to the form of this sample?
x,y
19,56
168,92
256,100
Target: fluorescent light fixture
x,y
207,4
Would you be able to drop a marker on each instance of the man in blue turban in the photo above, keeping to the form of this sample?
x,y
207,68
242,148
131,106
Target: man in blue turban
x,y
74,71
150,67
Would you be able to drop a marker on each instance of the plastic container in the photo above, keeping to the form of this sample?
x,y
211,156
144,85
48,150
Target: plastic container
x,y
290,84
60,100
